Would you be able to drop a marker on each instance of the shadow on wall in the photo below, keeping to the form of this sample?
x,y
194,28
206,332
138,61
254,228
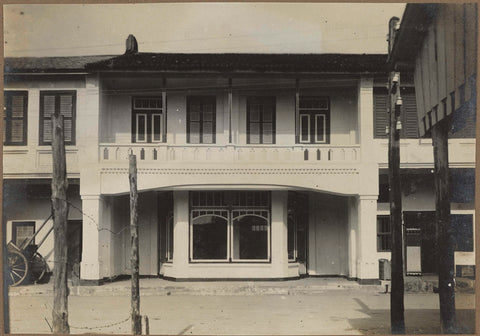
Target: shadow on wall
x,y
417,321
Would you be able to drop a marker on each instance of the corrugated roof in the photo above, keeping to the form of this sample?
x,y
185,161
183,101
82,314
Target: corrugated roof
x,y
292,63
49,64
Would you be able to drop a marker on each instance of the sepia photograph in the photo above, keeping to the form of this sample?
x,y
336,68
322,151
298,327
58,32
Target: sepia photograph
x,y
229,168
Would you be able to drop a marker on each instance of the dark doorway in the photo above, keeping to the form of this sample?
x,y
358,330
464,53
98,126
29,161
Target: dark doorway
x,y
74,241
425,222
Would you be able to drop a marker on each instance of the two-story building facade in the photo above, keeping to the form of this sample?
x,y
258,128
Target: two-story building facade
x,y
250,166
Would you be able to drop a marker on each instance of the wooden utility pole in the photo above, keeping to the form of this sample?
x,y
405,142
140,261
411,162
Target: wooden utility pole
x,y
445,254
397,318
60,214
134,259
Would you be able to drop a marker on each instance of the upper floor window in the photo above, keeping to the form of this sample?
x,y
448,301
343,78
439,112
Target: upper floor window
x,y
408,117
15,118
63,102
314,120
261,120
201,115
148,119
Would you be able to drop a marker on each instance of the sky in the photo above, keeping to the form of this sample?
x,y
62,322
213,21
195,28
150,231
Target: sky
x,y
101,29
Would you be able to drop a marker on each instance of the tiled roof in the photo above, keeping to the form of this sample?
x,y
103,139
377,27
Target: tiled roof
x,y
236,63
49,64
291,63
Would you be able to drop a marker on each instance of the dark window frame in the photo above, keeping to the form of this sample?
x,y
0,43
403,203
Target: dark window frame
x,y
462,243
382,234
311,112
57,95
7,118
16,225
202,99
226,205
262,100
149,113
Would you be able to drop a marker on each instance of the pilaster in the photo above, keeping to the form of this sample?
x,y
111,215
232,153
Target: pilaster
x,y
279,234
365,118
367,263
92,208
180,234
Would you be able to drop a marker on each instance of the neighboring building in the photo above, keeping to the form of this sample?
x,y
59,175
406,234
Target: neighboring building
x,y
438,44
249,165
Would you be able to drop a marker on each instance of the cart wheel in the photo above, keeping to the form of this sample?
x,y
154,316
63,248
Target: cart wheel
x,y
18,267
38,268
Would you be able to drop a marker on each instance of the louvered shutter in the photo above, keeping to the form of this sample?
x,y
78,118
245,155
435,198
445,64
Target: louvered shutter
x,y
380,114
15,118
66,109
65,102
48,110
409,118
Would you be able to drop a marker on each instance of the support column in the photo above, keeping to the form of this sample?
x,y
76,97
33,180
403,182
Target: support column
x,y
352,237
92,208
279,234
180,234
367,263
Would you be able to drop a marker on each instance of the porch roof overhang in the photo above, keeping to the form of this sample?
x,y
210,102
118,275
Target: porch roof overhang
x,y
409,38
71,65
225,65
243,64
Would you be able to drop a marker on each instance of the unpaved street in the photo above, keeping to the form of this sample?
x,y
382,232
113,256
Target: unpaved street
x,y
331,312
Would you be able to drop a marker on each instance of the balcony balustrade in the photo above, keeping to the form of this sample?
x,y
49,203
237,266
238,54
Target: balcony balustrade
x,y
152,153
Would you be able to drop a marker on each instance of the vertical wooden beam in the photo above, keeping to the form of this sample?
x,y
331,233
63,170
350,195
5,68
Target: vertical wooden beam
x,y
134,255
444,228
60,214
397,309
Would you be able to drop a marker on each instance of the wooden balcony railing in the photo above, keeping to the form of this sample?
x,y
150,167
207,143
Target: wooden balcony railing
x,y
229,153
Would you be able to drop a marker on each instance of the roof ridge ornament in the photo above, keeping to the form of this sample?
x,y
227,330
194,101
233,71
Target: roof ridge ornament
x,y
131,45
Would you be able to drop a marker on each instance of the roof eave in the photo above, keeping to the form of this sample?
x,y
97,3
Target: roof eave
x,y
413,29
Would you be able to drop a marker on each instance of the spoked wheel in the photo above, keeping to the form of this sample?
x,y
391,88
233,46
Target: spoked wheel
x,y
18,267
38,268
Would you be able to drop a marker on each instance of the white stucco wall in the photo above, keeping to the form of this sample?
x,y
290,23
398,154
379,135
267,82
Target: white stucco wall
x,y
148,236
17,206
31,160
327,235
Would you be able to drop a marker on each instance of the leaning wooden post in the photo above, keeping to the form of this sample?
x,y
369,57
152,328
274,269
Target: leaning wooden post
x,y
445,254
60,214
134,259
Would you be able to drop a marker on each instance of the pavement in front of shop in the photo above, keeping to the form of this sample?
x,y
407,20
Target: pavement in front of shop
x,y
311,306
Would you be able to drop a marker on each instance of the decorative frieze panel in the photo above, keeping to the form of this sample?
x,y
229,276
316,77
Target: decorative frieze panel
x,y
239,171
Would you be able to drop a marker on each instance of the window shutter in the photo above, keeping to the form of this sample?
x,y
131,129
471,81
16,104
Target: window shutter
x,y
66,109
18,106
380,114
48,111
17,115
64,102
410,121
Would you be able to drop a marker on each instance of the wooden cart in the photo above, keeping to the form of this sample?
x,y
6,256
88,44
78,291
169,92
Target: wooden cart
x,y
25,264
